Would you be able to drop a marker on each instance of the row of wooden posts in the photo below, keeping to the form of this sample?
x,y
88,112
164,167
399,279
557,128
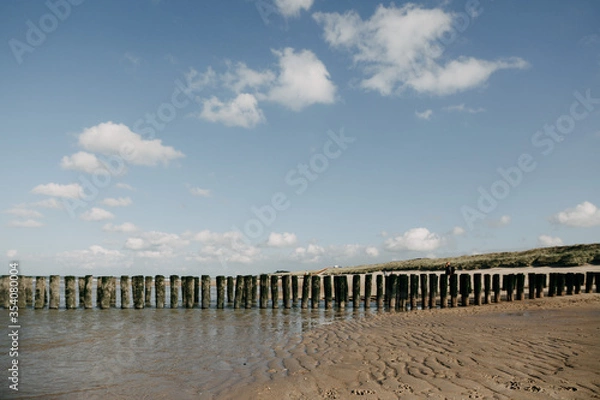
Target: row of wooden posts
x,y
393,291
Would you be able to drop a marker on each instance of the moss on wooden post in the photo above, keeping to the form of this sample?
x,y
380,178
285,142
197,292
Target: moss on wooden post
x,y
54,292
305,291
221,282
125,292
159,291
40,292
205,292
70,293
174,283
315,295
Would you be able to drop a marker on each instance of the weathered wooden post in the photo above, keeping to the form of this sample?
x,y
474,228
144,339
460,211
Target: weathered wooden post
x,y
424,291
104,292
487,289
379,291
294,290
230,290
589,282
70,293
148,291
356,291
509,286
477,288
327,286
40,292
80,290
552,285
597,280
274,291
137,283
368,290
454,290
99,295
112,289
465,289
579,281
531,284
88,291
570,283
189,291
22,300
414,291
5,291
496,288
248,296
239,292
315,295
254,291
125,293
520,286
387,285
197,285
54,292
402,291
205,282
29,291
285,291
560,284
174,291
343,290
221,281
184,290
433,290
305,291
443,291
159,291
540,283
392,291
264,291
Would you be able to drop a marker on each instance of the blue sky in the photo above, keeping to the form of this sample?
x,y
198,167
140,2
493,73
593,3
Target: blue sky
x,y
165,137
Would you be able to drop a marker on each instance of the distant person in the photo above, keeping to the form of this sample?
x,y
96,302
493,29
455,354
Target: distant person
x,y
449,269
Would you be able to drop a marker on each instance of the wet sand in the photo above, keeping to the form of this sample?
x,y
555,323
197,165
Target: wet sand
x,y
534,349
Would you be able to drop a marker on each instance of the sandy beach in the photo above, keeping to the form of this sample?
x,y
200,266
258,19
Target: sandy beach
x,y
534,349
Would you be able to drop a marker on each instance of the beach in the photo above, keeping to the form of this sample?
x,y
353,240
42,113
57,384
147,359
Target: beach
x,y
534,349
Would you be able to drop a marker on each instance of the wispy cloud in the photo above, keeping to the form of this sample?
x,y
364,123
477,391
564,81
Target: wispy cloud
x,y
424,114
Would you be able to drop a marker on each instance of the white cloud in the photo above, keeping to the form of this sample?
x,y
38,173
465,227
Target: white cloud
x,y
416,239
72,191
120,202
11,253
96,214
310,254
93,258
400,48
424,115
243,78
132,59
549,241
196,191
117,139
372,251
82,161
292,8
196,81
124,186
24,212
48,203
156,243
223,247
584,215
126,227
502,221
29,223
136,244
284,239
243,111
458,231
303,80
462,108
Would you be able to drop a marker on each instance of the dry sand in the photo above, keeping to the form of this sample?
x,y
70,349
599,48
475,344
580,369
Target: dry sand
x,y
534,349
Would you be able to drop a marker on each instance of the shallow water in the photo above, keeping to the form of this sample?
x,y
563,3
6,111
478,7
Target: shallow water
x,y
150,353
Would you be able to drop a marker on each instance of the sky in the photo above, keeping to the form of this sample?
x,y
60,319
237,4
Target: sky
x,y
248,136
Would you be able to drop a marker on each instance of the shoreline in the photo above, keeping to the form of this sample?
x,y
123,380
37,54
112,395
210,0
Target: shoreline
x,y
538,349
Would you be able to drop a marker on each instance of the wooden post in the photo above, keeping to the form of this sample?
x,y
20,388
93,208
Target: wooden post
x,y
496,288
248,286
159,291
454,290
579,281
531,284
414,291
40,292
343,290
510,287
520,286
174,291
305,291
392,291
5,291
368,290
239,292
294,290
487,288
597,280
477,288
220,292
327,286
112,289
402,291
285,289
22,300
98,291
552,285
570,282
80,289
444,291
54,292
88,291
356,291
205,291
230,290
433,290
264,291
189,291
589,282
560,284
540,283
184,290
197,285
465,289
29,291
386,284
148,291
379,291
125,293
424,291
70,293
274,291
315,295
137,283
